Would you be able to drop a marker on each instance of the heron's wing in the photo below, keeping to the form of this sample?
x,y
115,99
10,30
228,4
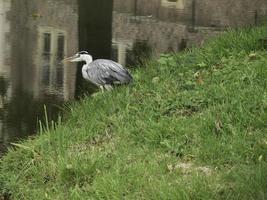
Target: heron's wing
x,y
108,72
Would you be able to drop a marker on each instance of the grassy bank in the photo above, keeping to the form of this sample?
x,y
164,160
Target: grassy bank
x,y
192,126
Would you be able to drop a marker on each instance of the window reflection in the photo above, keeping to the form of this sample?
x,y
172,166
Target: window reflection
x,y
60,46
59,75
47,43
131,53
45,69
52,52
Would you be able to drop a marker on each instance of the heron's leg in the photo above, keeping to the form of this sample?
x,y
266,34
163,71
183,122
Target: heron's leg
x,y
108,87
102,88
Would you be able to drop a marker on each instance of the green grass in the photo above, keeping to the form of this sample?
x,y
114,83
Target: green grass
x,y
192,126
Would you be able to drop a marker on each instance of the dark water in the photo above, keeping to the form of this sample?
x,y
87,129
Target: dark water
x,y
35,35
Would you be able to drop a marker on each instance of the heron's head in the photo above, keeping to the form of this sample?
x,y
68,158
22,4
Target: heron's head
x,y
80,56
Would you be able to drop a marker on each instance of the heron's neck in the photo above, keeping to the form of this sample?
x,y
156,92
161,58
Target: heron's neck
x,y
88,60
84,70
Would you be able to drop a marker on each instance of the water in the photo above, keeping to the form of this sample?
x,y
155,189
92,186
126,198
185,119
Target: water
x,y
35,35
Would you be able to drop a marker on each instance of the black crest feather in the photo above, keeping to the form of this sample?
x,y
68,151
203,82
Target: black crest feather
x,y
83,52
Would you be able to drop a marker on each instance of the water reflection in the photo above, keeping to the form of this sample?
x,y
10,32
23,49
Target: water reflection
x,y
173,25
31,71
95,35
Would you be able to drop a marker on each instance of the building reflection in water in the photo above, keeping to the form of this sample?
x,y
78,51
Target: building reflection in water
x,y
32,47
5,86
173,25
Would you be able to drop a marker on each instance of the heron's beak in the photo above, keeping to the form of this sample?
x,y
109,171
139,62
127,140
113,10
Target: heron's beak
x,y
71,59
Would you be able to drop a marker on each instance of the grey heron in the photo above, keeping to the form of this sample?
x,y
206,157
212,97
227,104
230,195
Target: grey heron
x,y
101,72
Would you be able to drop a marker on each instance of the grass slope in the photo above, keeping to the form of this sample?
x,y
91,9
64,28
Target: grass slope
x,y
192,126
